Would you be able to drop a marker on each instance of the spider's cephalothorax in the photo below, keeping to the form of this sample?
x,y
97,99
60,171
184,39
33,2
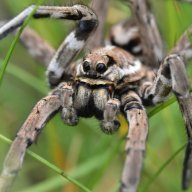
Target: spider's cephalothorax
x,y
100,80
107,81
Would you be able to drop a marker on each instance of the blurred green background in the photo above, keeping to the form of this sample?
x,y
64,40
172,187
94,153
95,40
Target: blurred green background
x,y
84,152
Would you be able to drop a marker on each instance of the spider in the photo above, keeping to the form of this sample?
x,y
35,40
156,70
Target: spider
x,y
121,77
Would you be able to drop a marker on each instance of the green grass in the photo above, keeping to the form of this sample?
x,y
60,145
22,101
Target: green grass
x,y
83,152
13,44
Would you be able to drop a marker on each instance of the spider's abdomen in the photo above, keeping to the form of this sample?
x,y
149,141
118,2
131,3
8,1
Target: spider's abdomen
x,y
90,102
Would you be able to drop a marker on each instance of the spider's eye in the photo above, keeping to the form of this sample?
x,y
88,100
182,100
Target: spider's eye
x,y
86,66
101,68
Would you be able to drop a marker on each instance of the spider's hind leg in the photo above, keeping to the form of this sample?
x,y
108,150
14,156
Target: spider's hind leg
x,y
139,34
181,89
151,41
172,76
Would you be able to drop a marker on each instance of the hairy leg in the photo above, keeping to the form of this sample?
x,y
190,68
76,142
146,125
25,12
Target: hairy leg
x,y
135,142
28,133
151,41
59,98
172,76
73,43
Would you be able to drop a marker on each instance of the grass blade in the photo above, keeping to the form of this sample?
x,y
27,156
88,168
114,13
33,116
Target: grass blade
x,y
160,107
85,168
165,164
14,42
51,166
28,79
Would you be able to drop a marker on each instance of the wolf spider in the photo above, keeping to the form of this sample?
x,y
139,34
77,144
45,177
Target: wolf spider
x,y
121,77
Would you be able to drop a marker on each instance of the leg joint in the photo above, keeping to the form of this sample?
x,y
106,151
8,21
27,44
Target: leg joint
x,y
86,26
133,105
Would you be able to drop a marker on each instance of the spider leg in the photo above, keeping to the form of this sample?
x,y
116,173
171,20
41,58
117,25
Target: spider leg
x,y
38,48
172,75
183,46
126,35
28,133
135,143
151,41
110,124
74,42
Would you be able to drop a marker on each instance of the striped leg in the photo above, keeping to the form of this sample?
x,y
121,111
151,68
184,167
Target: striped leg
x,y
135,143
38,48
28,133
126,35
74,42
151,41
172,76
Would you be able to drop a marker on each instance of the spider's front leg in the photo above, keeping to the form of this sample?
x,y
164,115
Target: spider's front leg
x,y
25,137
28,133
172,76
136,140
74,42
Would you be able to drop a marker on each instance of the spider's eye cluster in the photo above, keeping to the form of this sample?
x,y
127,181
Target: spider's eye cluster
x,y
101,68
86,66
